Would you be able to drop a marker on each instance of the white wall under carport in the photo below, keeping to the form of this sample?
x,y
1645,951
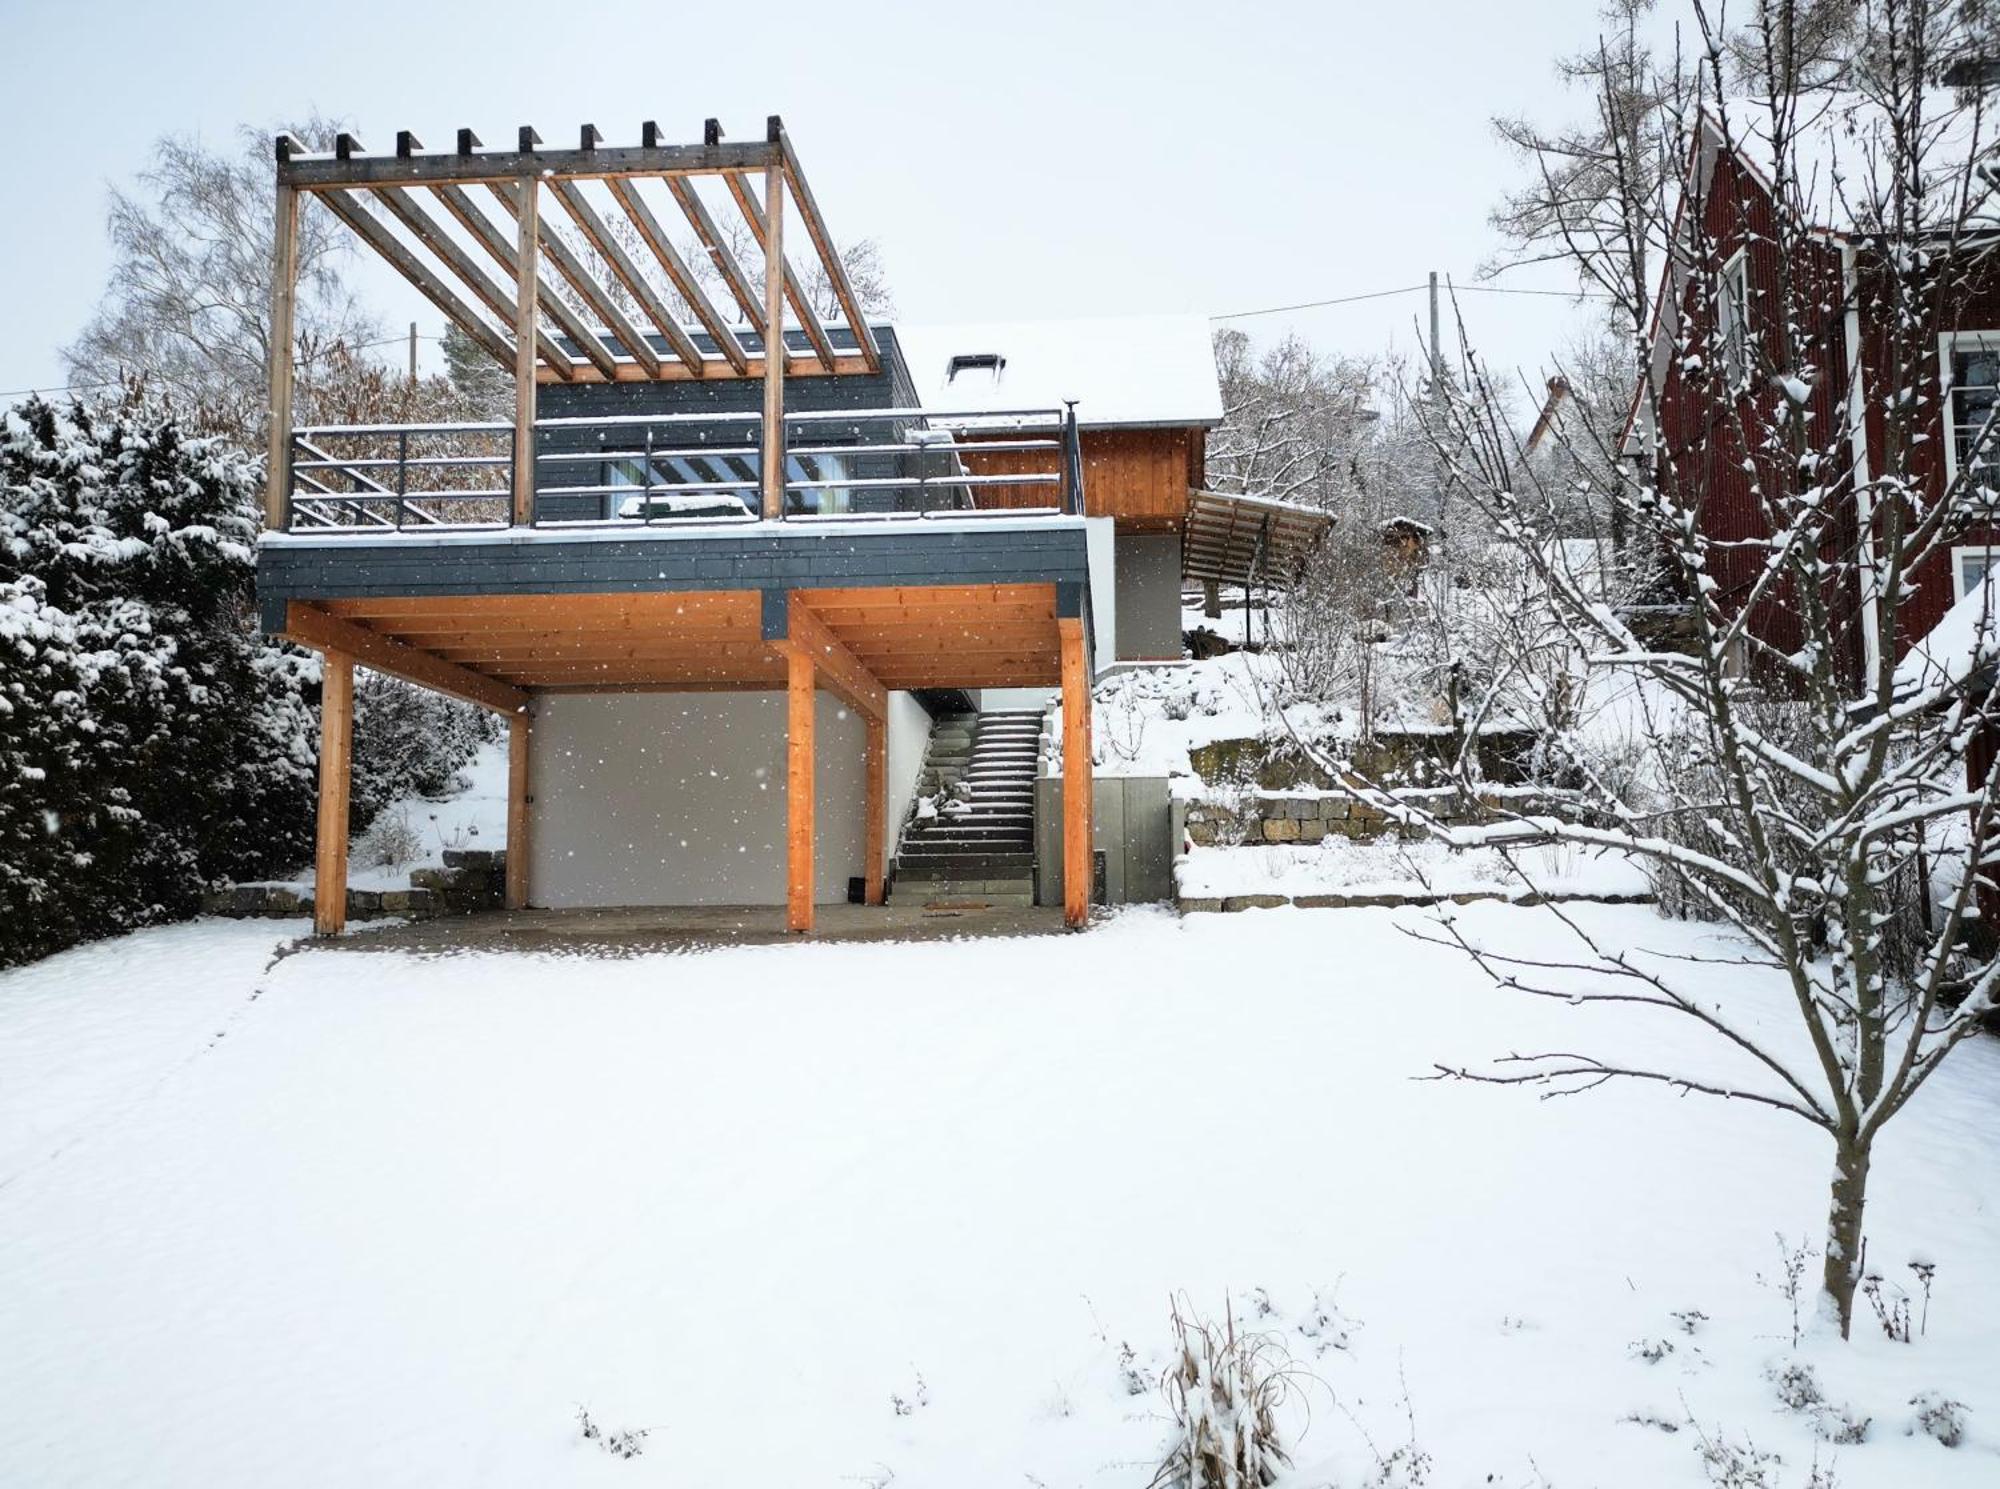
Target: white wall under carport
x,y
679,798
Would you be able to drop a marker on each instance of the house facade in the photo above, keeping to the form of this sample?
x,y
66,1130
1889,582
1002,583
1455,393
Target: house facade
x,y
1744,258
723,598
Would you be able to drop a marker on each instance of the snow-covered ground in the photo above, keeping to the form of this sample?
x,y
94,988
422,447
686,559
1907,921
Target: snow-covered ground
x,y
474,817
865,1214
1342,866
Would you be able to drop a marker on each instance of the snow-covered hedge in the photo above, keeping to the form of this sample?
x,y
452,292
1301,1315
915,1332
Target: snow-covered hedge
x,y
409,742
150,743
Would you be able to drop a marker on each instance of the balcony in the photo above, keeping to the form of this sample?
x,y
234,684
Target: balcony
x,y
678,471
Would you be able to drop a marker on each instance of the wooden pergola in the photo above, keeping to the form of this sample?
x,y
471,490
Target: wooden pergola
x,y
446,221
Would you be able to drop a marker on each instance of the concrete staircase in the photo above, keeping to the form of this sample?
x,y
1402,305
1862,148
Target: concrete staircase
x,y
979,847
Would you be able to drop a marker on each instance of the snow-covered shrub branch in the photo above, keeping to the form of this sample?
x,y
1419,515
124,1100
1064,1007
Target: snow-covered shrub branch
x,y
1804,722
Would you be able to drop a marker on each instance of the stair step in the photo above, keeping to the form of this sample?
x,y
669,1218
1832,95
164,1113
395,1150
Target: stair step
x,y
989,863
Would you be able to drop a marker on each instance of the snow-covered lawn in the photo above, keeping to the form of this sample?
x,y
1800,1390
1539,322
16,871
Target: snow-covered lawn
x,y
864,1214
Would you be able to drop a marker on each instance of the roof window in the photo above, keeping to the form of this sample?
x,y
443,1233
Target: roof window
x,y
984,367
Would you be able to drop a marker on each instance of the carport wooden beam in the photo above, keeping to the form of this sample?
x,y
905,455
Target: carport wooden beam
x,y
799,790
1076,837
336,770
311,627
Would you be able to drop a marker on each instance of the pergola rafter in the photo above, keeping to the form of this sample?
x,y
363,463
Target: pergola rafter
x,y
481,227
535,329
598,298
594,337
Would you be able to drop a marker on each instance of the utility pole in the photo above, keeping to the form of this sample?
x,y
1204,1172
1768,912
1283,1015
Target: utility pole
x,y
1437,355
413,335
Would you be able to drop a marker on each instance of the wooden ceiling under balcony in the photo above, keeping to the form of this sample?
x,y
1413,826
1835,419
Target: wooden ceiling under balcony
x,y
943,636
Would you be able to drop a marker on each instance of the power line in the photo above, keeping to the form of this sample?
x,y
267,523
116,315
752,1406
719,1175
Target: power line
x,y
113,382
1410,289
1241,315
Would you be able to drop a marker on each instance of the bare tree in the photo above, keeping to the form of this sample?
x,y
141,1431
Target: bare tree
x,y
1785,788
188,306
1600,195
1292,420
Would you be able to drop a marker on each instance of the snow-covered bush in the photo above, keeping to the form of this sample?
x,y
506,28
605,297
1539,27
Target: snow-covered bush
x,y
409,741
1224,1390
149,742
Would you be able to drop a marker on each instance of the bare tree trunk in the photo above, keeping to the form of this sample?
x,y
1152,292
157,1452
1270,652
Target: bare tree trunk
x,y
1843,1225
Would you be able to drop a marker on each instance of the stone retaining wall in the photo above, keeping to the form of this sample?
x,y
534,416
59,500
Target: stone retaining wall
x,y
1313,817
471,880
1201,904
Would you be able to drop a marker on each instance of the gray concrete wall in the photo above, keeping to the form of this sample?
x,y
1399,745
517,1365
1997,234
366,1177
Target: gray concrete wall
x,y
909,738
1148,579
679,798
1133,829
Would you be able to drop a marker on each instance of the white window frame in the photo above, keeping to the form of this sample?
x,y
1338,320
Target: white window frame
x,y
1732,316
1949,343
1988,551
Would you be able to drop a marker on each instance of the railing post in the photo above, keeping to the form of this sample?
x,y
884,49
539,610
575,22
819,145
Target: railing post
x,y
402,473
1072,462
646,481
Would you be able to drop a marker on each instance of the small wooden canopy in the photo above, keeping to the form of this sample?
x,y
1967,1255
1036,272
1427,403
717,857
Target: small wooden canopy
x,y
1242,539
472,228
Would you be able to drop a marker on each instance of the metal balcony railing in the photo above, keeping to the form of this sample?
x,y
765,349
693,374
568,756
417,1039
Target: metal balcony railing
x,y
683,469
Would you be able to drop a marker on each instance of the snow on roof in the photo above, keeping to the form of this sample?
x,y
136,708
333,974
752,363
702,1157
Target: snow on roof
x,y
1963,644
1128,370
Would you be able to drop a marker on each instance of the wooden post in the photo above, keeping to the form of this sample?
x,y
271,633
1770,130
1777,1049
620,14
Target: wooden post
x,y
1211,599
336,740
877,806
1077,855
284,298
519,734
774,345
527,272
799,790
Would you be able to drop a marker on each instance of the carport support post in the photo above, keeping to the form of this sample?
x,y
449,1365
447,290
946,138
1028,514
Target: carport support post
x,y
1077,863
519,733
336,740
877,807
799,789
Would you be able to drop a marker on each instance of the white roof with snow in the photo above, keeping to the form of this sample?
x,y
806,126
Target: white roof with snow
x,y
1134,371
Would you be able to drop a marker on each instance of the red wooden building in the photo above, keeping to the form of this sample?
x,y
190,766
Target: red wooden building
x,y
1749,253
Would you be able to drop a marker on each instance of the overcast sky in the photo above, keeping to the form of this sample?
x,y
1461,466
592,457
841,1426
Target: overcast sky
x,y
1013,160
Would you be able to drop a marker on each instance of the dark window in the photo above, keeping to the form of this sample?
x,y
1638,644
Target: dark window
x,y
976,366
1975,386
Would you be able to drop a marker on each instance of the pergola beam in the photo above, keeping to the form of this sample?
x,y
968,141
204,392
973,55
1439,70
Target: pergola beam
x,y
567,264
412,268
484,231
828,250
685,284
431,233
627,273
802,306
325,173
717,247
